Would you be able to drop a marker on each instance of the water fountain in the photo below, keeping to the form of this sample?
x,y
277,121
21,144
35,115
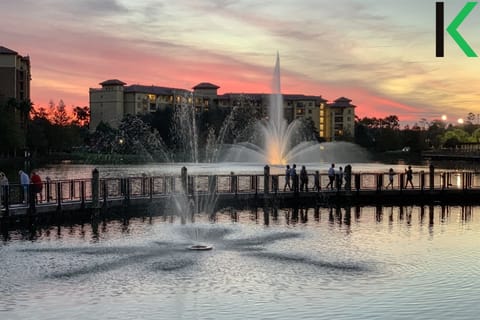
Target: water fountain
x,y
279,138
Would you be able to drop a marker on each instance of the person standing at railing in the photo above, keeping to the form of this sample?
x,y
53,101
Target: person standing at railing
x,y
348,177
339,178
25,182
303,179
3,188
37,185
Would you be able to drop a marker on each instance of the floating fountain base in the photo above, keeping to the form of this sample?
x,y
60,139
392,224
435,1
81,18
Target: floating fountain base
x,y
200,247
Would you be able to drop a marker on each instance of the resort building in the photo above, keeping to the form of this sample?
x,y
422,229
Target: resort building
x,y
14,76
339,120
115,99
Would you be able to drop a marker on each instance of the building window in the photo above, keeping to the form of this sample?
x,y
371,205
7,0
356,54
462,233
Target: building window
x,y
309,111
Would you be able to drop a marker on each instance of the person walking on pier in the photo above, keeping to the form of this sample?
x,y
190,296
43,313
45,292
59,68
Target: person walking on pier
x,y
293,174
303,179
316,182
391,174
25,182
37,185
409,173
287,179
331,176
3,188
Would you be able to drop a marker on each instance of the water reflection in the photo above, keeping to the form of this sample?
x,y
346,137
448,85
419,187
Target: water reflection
x,y
343,217
361,262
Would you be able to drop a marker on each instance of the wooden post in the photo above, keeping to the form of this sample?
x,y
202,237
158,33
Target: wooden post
x,y
379,182
127,192
357,182
184,174
31,199
422,180
266,179
212,184
95,189
275,184
49,191
144,184
72,189
233,183
432,177
150,188
172,184
105,193
59,196
82,194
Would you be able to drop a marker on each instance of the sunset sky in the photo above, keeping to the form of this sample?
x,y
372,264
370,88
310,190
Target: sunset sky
x,y
380,54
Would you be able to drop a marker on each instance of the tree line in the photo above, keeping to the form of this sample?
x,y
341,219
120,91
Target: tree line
x,y
171,134
385,134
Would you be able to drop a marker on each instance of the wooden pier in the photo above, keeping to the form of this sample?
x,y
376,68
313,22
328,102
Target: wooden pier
x,y
95,195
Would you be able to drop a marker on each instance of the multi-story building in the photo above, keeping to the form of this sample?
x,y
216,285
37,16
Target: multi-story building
x,y
14,76
114,100
339,120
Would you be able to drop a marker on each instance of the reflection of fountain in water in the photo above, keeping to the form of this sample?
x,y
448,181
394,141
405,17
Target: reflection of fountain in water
x,y
279,138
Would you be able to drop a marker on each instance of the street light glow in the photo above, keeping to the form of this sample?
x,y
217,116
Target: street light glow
x,y
444,117
460,121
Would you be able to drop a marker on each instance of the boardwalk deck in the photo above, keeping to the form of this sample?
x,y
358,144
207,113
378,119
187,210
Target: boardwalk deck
x,y
94,196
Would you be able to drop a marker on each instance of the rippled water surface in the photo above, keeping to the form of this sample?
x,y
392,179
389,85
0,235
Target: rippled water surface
x,y
365,263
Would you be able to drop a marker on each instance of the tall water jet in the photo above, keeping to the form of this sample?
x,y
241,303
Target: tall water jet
x,y
283,143
275,130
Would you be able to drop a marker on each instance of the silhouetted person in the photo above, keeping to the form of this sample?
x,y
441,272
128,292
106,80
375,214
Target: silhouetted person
x,y
25,182
316,182
339,178
409,173
293,174
36,185
391,174
287,179
348,177
331,176
303,179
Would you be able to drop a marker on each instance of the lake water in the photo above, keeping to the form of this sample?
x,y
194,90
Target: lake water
x,y
338,263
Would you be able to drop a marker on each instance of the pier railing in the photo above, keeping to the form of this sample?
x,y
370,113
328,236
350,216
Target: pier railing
x,y
82,191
